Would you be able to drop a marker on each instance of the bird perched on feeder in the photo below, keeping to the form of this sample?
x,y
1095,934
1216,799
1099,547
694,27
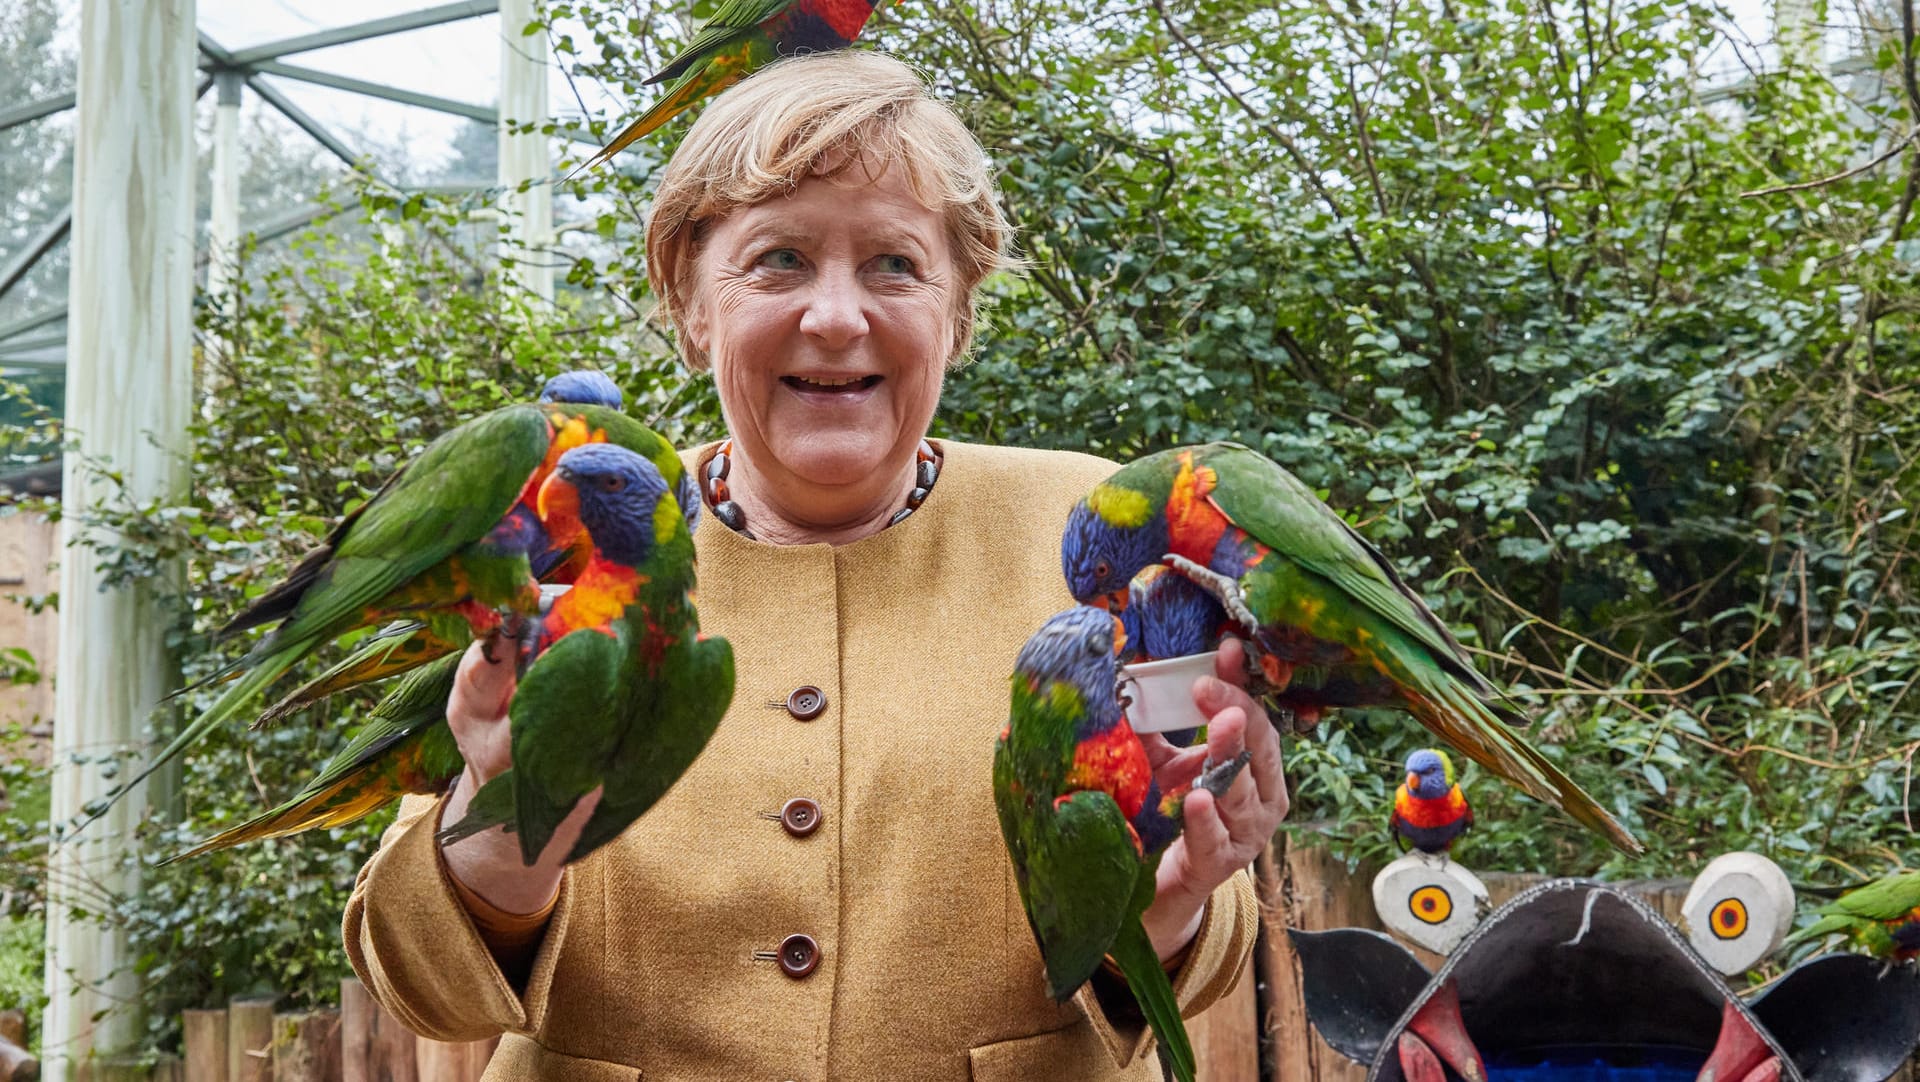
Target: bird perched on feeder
x,y
740,39
1429,811
1881,918
1084,821
1328,618
623,692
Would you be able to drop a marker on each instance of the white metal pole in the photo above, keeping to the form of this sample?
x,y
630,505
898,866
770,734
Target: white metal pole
x,y
223,222
128,400
524,156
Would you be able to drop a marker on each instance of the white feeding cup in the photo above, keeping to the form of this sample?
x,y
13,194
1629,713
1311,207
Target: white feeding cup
x,y
1162,692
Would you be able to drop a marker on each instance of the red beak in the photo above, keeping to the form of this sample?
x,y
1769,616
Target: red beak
x,y
558,504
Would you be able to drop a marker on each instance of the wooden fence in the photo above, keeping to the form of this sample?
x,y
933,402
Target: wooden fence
x,y
1256,1033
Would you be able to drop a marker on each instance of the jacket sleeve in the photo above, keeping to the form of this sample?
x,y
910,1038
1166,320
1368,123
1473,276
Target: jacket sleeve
x,y
417,950
1215,959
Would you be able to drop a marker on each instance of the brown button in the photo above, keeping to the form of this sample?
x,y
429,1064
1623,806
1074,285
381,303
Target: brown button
x,y
800,816
807,703
799,956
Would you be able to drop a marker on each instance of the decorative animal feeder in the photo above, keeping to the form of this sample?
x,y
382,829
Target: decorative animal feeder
x,y
1575,981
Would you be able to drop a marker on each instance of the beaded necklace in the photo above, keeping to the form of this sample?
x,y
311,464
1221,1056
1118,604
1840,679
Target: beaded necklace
x,y
926,470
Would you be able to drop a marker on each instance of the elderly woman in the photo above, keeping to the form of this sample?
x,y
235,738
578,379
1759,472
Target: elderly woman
x,y
825,894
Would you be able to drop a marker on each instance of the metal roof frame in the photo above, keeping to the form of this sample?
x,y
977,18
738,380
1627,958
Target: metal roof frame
x,y
251,67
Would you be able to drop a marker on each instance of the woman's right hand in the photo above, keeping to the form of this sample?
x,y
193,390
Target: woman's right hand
x,y
489,863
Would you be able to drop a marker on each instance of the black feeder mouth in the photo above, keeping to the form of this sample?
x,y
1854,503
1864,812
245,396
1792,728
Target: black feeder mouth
x,y
1574,981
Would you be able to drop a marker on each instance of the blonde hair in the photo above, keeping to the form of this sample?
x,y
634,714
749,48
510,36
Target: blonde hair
x,y
822,114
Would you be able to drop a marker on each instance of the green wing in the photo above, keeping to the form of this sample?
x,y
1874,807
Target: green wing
x,y
566,723
1079,877
735,19
453,495
1889,899
666,725
1282,513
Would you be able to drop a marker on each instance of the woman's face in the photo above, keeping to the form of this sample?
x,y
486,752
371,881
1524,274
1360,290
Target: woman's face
x,y
828,316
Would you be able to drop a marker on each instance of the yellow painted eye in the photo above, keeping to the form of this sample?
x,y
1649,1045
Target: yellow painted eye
x,y
1729,918
1431,904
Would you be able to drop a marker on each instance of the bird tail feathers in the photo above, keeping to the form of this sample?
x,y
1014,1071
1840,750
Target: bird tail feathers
x,y
1133,952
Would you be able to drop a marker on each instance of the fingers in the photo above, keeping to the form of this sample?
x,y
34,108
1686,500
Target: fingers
x,y
477,713
484,685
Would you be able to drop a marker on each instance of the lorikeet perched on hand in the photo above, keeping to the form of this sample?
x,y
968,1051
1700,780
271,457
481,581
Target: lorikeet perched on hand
x,y
1882,918
623,691
1329,620
1084,820
740,39
569,404
449,541
1429,811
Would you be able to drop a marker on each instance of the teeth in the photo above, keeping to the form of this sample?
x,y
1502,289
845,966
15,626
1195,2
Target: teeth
x,y
819,381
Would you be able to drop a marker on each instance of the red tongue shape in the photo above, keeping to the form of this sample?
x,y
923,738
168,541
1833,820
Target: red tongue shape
x,y
1740,1054
1417,1061
1444,1033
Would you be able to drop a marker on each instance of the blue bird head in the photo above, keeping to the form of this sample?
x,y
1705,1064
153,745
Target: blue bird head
x,y
1101,551
617,492
583,387
1429,773
1079,647
1172,615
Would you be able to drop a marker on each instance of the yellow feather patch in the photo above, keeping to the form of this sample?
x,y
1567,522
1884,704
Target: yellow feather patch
x,y
667,519
1122,507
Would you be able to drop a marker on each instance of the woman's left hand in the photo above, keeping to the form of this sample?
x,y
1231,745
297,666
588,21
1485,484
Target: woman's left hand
x,y
1219,837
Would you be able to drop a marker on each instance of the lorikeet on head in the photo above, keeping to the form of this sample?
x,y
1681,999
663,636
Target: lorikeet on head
x,y
740,39
1084,820
572,421
623,691
1429,811
1882,918
1328,619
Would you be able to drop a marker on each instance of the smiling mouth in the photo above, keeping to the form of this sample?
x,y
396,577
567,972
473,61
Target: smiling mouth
x,y
831,384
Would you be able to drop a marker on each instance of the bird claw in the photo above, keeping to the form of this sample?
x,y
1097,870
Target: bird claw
x,y
1217,778
1223,589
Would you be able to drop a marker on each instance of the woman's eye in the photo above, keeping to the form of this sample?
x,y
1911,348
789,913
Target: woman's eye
x,y
781,259
894,264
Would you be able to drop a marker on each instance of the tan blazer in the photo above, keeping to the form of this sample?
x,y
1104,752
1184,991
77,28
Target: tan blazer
x,y
663,958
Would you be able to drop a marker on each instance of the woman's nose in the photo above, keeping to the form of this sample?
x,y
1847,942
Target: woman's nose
x,y
835,314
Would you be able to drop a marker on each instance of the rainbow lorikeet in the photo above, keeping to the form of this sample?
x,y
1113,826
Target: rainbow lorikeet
x,y
1429,811
1084,820
447,541
1882,918
740,39
623,691
581,407
1328,619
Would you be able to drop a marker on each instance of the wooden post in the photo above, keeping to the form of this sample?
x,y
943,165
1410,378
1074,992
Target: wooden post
x,y
1226,1036
374,1046
129,394
250,1040
1301,888
16,1063
206,1044
306,1047
525,157
444,1062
